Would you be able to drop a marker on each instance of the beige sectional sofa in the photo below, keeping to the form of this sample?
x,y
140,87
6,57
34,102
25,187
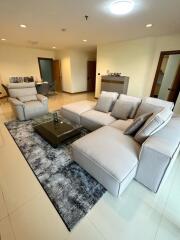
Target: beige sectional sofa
x,y
112,157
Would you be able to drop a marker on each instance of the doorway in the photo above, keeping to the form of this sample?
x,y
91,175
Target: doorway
x,y
166,84
46,71
91,76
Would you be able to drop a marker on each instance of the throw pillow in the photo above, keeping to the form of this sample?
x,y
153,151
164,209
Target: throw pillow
x,y
153,124
147,108
27,98
122,110
137,124
104,104
136,101
114,95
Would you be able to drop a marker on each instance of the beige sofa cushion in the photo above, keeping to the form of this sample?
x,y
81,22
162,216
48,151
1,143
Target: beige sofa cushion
x,y
158,102
122,110
135,101
73,111
122,124
109,156
28,98
153,124
147,108
95,119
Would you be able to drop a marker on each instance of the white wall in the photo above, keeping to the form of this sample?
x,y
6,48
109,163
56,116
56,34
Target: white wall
x,y
20,61
131,58
74,69
169,75
137,59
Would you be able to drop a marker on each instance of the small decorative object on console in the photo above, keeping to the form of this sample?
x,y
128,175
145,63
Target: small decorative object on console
x,y
55,117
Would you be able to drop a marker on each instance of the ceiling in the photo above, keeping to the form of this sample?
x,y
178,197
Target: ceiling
x,y
46,18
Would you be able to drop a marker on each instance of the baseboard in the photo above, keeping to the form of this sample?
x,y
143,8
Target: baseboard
x,y
76,92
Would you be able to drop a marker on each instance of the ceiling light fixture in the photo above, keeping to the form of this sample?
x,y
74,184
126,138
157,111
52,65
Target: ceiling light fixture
x,y
84,40
54,47
122,7
149,25
3,39
23,26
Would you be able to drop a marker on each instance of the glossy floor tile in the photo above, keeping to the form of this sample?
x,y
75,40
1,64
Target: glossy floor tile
x,y
6,232
38,219
3,209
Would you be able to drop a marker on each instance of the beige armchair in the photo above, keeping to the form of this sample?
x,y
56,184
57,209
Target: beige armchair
x,y
25,101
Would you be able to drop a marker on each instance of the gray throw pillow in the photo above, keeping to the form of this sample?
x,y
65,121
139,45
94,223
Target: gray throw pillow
x,y
122,109
147,108
137,124
104,104
153,124
134,100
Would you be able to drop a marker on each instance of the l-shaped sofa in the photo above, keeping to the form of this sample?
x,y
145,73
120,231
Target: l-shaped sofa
x,y
112,157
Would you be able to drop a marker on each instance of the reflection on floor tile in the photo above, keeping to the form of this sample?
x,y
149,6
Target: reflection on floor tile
x,y
127,221
168,230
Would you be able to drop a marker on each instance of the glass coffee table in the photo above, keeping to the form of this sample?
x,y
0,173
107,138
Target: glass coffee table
x,y
55,132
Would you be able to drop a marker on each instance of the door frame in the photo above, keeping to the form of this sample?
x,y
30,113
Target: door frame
x,y
88,89
162,54
43,58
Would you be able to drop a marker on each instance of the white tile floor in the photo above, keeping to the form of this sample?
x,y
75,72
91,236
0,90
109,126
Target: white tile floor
x,y
27,214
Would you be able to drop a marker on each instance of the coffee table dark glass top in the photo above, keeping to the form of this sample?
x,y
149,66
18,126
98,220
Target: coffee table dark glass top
x,y
56,132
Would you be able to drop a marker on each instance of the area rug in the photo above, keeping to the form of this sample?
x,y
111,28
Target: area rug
x,y
72,191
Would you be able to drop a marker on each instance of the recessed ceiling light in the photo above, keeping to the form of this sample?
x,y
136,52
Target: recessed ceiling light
x,y
3,39
149,25
23,26
122,7
84,40
54,47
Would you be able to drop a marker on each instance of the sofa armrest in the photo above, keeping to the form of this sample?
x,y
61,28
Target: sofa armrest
x,y
15,102
158,154
42,98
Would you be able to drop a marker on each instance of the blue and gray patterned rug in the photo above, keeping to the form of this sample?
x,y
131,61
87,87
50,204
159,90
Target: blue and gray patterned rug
x,y
72,191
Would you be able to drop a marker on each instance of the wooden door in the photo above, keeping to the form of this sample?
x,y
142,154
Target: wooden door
x,y
57,75
175,88
91,76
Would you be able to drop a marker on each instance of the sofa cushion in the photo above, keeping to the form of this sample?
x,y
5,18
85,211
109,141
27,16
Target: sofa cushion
x,y
21,89
122,110
104,104
122,124
73,111
137,124
109,156
33,109
95,119
147,108
153,124
27,98
135,101
158,102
